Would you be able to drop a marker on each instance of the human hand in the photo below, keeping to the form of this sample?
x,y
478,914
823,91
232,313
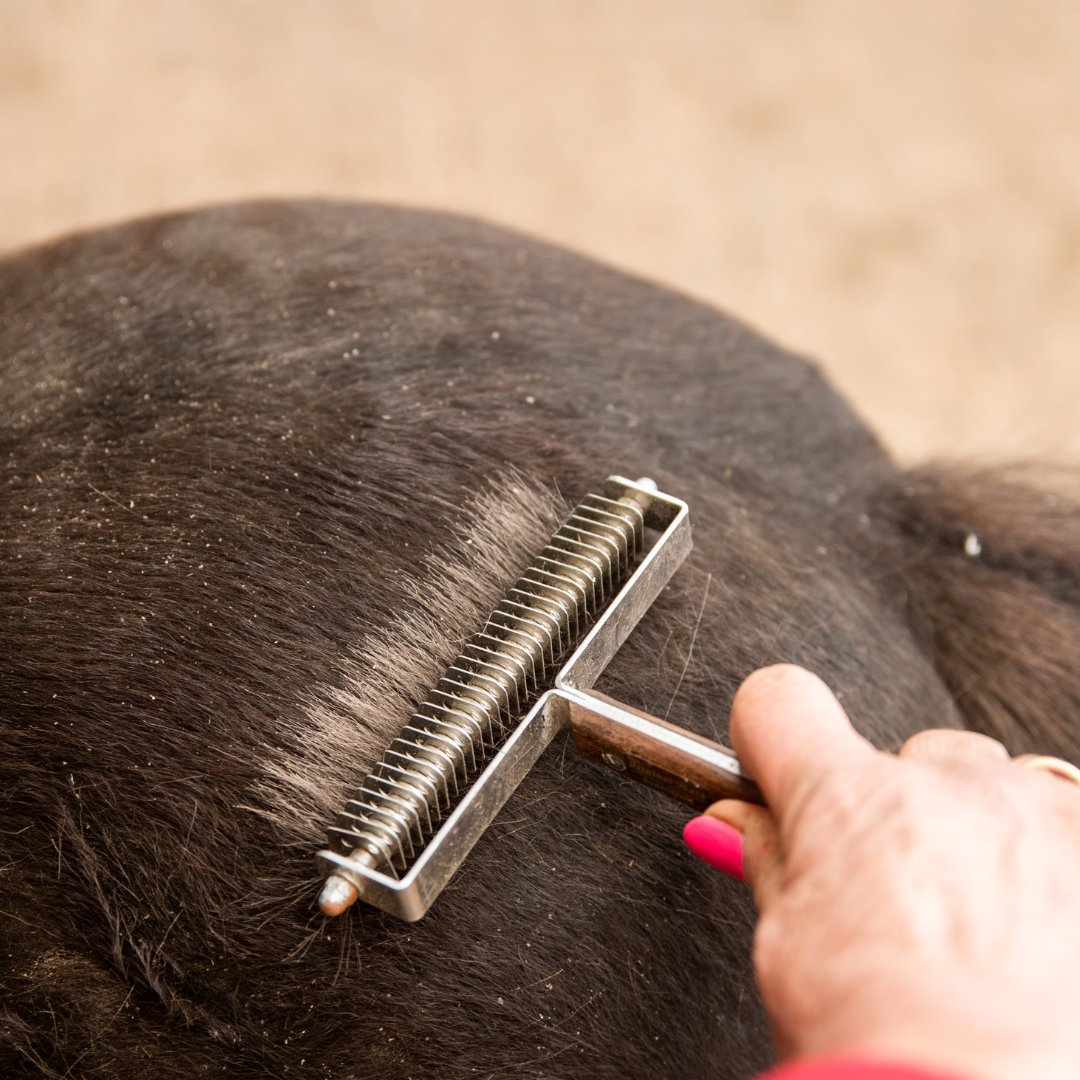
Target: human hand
x,y
923,908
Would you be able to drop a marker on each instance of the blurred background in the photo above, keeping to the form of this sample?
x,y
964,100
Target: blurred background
x,y
890,187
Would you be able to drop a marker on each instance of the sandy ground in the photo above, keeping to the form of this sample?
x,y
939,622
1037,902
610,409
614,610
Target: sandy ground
x,y
893,188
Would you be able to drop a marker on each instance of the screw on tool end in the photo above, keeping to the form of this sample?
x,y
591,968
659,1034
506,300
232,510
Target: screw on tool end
x,y
338,895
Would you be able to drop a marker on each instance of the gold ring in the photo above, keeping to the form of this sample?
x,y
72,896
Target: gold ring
x,y
1044,763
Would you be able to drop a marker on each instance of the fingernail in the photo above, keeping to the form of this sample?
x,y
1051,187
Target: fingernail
x,y
717,842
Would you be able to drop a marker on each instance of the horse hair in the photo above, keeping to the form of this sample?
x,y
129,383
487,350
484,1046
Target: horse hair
x,y
264,468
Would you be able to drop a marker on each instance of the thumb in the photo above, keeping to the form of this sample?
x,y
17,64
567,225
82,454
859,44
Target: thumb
x,y
793,735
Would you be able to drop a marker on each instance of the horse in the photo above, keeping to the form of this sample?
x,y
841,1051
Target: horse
x,y
265,467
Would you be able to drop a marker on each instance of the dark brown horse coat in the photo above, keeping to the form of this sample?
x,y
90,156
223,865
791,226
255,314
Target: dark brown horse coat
x,y
264,468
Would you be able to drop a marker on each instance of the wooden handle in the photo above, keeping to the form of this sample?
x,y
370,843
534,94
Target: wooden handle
x,y
688,767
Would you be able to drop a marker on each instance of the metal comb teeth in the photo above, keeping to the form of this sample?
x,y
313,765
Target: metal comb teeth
x,y
489,685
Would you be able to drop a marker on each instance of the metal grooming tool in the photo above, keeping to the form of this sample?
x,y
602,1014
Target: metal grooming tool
x,y
441,782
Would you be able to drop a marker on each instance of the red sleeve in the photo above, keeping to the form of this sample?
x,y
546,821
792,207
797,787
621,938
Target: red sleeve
x,y
849,1068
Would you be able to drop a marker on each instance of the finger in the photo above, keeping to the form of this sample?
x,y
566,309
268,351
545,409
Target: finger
x,y
790,731
762,854
717,842
1052,766
945,746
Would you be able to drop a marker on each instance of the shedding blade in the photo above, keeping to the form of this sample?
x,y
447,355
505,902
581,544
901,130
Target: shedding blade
x,y
414,817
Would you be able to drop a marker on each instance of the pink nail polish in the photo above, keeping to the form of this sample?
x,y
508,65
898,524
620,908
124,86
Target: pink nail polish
x,y
717,843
